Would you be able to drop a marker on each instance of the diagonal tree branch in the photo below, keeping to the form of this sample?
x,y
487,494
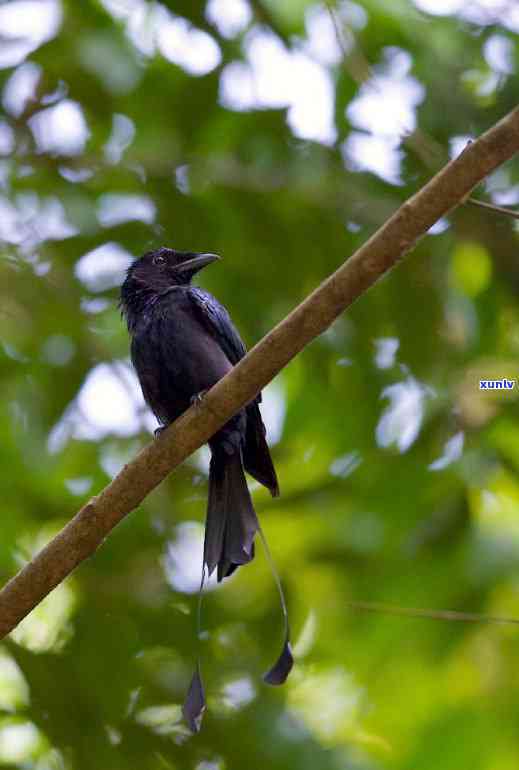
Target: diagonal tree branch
x,y
86,531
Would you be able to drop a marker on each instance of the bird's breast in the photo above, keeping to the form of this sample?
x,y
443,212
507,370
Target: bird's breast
x,y
176,358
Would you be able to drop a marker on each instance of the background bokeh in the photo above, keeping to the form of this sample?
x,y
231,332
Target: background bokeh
x,y
280,135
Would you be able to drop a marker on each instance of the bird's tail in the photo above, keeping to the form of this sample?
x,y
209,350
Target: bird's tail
x,y
230,528
231,521
256,454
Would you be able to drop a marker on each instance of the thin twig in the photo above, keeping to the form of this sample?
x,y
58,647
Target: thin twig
x,y
87,530
491,207
418,612
359,68
430,152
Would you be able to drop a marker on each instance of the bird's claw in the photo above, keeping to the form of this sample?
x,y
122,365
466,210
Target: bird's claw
x,y
160,430
197,399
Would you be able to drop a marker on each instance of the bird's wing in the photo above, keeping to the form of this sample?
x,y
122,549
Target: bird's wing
x,y
217,322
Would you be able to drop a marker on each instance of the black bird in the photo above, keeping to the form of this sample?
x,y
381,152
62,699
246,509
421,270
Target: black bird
x,y
183,341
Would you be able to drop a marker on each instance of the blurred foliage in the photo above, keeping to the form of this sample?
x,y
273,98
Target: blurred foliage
x,y
400,479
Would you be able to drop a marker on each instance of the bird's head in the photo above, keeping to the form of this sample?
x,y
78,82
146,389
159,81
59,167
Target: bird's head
x,y
157,271
161,269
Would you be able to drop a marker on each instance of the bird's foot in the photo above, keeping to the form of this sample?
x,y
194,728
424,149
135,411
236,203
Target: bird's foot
x,y
197,399
159,431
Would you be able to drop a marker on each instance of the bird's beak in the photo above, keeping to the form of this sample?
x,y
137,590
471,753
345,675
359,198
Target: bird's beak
x,y
196,263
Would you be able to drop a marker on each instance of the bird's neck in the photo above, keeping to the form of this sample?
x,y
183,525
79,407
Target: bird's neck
x,y
138,300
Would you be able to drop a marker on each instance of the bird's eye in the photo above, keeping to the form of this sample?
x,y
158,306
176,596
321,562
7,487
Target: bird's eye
x,y
158,260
